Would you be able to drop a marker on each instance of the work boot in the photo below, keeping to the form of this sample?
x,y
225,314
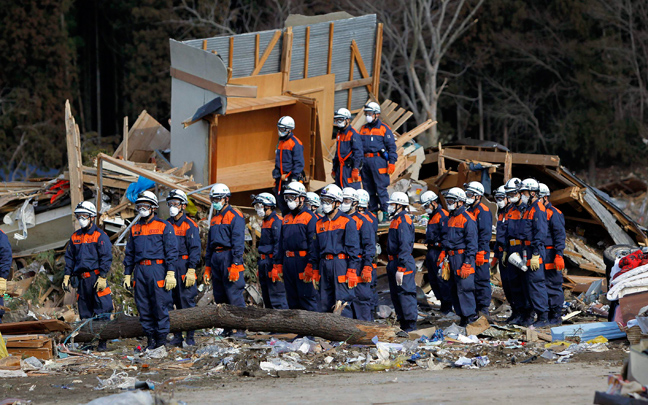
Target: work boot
x,y
161,340
150,342
542,322
408,326
177,339
555,320
102,347
527,321
190,338
514,318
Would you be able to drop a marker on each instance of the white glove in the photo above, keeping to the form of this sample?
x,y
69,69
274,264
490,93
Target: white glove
x,y
399,277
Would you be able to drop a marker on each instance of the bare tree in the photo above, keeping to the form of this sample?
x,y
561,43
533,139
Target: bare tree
x,y
418,35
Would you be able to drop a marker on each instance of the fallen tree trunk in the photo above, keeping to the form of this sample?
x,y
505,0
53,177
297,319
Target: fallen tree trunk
x,y
326,325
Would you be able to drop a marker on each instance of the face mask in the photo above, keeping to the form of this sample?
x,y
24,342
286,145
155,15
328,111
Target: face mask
x,y
470,201
452,207
217,206
391,209
345,207
525,199
327,208
84,222
429,210
341,124
292,205
283,134
144,212
514,200
174,211
501,204
369,118
261,213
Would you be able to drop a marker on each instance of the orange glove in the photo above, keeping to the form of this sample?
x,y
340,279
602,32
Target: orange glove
x,y
333,174
493,261
391,168
308,273
465,270
480,258
352,278
276,274
441,257
355,174
235,272
207,275
559,261
316,279
366,274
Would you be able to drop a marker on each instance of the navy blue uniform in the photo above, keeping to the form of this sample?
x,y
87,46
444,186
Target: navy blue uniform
x,y
225,245
554,246
337,245
362,308
484,219
274,293
400,243
189,251
5,263
348,156
500,247
374,276
436,228
289,161
152,251
535,230
514,234
460,244
377,143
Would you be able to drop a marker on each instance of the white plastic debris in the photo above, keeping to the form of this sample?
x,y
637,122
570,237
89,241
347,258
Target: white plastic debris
x,y
158,353
277,364
119,380
126,398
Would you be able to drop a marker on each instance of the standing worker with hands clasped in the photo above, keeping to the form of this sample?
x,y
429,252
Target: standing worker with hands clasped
x,y
401,268
87,259
5,267
348,152
289,159
186,230
150,263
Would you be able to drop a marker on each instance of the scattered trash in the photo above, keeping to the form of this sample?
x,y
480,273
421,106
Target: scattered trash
x,y
277,364
159,353
125,398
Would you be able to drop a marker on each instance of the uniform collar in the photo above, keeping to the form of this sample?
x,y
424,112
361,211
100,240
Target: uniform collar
x,y
337,215
548,204
459,211
374,123
287,138
144,222
272,215
90,230
174,221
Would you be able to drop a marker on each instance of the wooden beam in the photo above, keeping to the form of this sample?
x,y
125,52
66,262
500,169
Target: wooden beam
x,y
500,157
126,138
377,60
564,196
586,220
361,66
257,39
330,49
441,161
204,47
230,62
266,53
401,120
306,46
229,90
73,141
351,79
286,58
508,167
353,84
414,133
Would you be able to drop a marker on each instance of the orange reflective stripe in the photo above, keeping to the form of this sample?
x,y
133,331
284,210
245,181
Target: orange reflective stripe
x,y
342,279
181,230
302,275
455,252
85,238
382,170
183,277
160,283
184,257
103,293
408,272
300,253
550,266
152,228
339,256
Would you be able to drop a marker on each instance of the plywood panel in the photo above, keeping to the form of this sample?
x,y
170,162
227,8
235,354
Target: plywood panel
x,y
251,176
267,85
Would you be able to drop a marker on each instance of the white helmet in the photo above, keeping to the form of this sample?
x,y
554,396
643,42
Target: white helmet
x,y
86,207
529,185
286,123
475,187
342,113
295,187
178,195
349,192
266,199
332,191
363,198
147,197
313,199
219,190
372,107
544,190
500,192
398,197
456,193
428,197
513,185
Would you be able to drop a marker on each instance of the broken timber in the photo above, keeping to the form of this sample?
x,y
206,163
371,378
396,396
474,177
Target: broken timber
x,y
325,325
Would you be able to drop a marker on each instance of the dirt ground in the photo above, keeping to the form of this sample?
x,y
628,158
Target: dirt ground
x,y
538,382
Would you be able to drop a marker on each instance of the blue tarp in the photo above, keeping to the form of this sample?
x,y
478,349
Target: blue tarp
x,y
134,189
588,331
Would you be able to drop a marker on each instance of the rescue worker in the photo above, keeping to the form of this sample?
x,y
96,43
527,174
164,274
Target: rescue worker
x,y
484,219
379,147
337,245
500,241
149,267
348,152
401,268
436,227
313,203
189,250
273,290
289,159
555,263
297,257
363,209
5,267
535,229
362,307
460,244
88,258
514,232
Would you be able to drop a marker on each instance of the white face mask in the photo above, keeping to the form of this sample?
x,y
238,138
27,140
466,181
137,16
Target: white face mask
x,y
261,212
174,211
341,124
144,212
345,207
283,134
391,209
525,199
84,222
514,200
429,210
327,208
452,207
501,204
292,205
470,201
369,118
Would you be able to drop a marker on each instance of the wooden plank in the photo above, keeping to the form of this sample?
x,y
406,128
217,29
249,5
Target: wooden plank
x,y
29,327
500,157
352,58
330,49
592,267
508,167
266,53
353,84
564,195
306,47
586,220
204,45
377,60
401,120
257,38
125,139
230,61
286,58
251,176
73,142
414,132
228,90
609,221
361,66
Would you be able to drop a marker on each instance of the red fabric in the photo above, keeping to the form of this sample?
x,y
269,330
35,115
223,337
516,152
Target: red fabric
x,y
633,260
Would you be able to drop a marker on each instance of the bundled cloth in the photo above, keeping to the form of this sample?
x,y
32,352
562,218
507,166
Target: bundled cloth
x,y
627,281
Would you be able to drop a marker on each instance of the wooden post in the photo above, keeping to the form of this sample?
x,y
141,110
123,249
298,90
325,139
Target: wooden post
x,y
73,141
508,166
330,48
213,169
204,45
306,46
99,187
441,161
125,150
377,60
350,79
230,62
286,59
256,49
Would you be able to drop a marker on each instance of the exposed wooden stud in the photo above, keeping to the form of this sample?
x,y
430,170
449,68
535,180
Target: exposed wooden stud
x,y
508,167
361,66
330,48
353,84
441,161
377,60
204,45
286,58
230,90
266,54
257,39
306,46
351,79
402,120
230,62
73,140
126,137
